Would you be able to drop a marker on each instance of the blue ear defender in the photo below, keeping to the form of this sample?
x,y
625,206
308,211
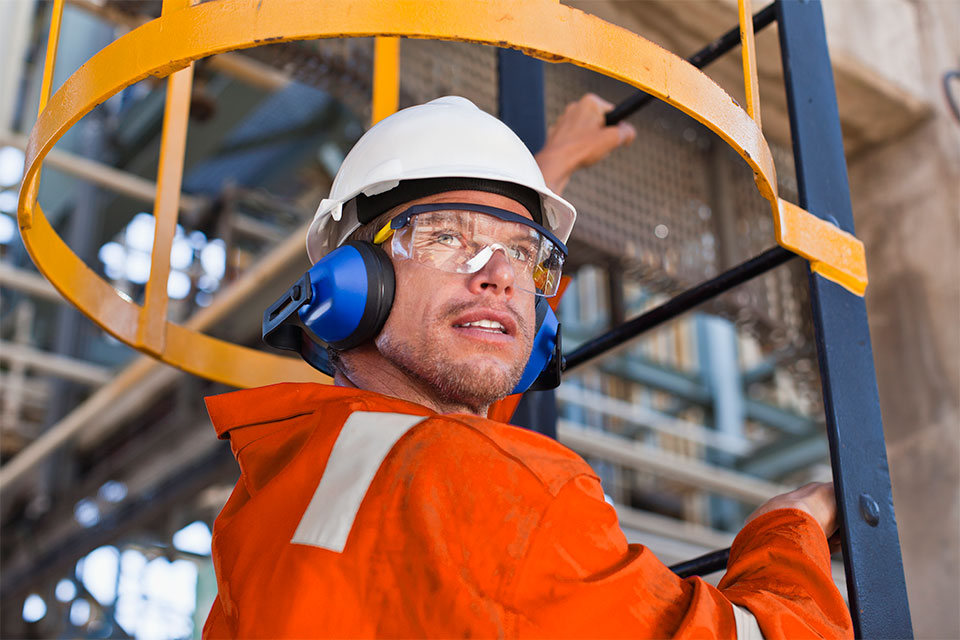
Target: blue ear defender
x,y
546,360
345,299
351,295
342,301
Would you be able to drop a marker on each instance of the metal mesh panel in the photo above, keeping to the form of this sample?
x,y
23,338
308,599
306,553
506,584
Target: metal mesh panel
x,y
341,67
779,298
430,69
651,209
645,204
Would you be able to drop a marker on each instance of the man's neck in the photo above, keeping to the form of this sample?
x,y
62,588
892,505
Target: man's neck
x,y
385,378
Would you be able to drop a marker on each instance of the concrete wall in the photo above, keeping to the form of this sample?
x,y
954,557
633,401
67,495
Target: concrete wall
x,y
903,150
906,199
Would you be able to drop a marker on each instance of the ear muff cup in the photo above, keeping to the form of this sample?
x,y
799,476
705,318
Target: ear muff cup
x,y
544,346
352,292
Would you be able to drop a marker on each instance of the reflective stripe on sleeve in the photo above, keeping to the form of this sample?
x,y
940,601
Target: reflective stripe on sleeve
x,y
747,627
365,440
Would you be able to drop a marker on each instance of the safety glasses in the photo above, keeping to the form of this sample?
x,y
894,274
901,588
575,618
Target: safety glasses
x,y
463,238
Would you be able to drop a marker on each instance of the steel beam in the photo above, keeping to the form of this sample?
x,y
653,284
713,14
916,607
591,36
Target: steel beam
x,y
146,377
682,531
116,180
786,456
736,445
25,572
874,569
678,305
29,282
687,389
651,459
521,97
55,364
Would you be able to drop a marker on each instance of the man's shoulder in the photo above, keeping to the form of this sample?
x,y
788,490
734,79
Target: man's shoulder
x,y
277,403
479,442
469,442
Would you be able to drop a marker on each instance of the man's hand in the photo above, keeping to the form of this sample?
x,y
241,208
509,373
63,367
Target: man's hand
x,y
580,138
816,498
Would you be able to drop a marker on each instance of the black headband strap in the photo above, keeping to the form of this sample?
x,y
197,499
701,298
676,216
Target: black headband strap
x,y
369,207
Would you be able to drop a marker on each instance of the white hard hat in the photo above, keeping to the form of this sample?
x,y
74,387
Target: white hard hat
x,y
445,138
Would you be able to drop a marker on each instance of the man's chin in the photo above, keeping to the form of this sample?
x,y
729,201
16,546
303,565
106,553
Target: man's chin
x,y
475,380
470,383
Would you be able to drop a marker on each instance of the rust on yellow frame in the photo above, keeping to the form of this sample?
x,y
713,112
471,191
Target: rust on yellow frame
x,y
544,29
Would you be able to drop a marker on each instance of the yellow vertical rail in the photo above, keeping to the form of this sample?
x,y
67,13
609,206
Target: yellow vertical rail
x,y
749,51
207,28
386,78
151,328
46,86
53,42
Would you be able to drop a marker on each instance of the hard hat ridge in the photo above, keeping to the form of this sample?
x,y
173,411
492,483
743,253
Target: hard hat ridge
x,y
404,154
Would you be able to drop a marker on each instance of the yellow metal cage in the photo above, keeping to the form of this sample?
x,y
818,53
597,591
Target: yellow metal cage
x,y
184,33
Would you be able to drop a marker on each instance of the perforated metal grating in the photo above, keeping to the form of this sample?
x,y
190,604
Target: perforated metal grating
x,y
675,208
430,69
341,67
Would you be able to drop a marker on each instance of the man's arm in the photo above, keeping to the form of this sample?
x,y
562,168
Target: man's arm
x,y
580,578
580,138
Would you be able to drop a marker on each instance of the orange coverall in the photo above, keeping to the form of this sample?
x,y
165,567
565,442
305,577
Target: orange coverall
x,y
361,515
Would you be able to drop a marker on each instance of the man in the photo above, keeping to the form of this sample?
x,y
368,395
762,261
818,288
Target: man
x,y
388,505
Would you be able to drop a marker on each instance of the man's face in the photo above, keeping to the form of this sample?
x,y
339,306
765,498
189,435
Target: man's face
x,y
433,333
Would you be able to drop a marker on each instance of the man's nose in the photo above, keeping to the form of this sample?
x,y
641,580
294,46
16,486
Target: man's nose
x,y
496,276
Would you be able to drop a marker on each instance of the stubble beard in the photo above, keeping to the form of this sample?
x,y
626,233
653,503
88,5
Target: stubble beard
x,y
476,383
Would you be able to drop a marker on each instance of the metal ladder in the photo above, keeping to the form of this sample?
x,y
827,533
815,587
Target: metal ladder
x,y
871,550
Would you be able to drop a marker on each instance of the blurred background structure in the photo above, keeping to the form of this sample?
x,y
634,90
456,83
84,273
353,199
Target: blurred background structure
x,y
690,426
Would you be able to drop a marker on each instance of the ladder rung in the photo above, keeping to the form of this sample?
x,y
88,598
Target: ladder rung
x,y
678,304
700,59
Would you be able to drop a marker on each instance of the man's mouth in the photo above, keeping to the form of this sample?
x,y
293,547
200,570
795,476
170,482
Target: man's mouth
x,y
483,322
485,325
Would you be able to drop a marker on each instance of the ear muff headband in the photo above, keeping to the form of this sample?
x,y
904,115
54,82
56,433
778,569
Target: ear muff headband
x,y
542,370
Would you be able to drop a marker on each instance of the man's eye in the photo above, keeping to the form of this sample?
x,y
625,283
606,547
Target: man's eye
x,y
447,239
521,253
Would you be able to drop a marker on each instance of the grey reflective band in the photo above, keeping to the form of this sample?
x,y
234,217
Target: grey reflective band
x,y
364,441
403,218
747,626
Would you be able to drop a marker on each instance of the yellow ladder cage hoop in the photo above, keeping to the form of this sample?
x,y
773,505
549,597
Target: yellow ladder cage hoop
x,y
543,29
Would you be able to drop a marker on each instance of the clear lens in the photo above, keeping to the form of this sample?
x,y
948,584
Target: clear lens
x,y
464,241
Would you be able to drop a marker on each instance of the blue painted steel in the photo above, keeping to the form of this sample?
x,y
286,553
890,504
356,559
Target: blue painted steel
x,y
720,372
339,284
521,97
874,569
